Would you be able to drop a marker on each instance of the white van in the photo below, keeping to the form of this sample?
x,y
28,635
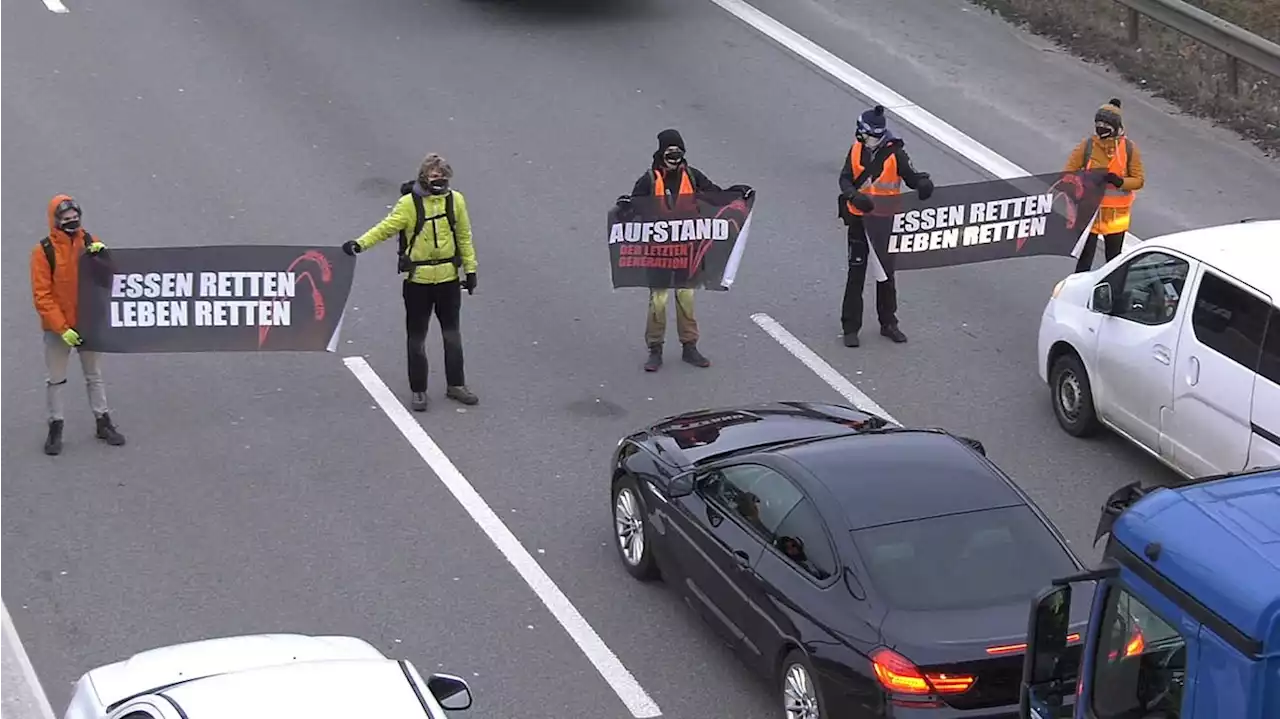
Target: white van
x,y
1174,345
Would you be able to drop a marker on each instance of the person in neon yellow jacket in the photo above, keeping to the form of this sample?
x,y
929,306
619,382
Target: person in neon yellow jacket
x,y
438,260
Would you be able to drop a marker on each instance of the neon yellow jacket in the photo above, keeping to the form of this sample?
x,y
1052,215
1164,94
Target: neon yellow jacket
x,y
436,242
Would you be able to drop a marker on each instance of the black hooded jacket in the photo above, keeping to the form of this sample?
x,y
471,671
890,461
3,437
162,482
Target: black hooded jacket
x,y
644,185
910,175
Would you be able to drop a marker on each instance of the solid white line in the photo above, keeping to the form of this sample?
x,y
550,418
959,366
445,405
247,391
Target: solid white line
x,y
819,366
605,661
881,94
24,663
56,6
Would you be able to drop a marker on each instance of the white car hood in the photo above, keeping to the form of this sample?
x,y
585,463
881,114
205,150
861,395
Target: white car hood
x,y
161,667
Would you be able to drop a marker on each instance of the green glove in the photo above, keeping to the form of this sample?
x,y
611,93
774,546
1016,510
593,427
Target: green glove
x,y
95,247
71,337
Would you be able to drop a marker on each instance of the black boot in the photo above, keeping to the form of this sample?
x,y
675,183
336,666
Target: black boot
x,y
893,333
655,358
53,443
693,356
851,340
107,431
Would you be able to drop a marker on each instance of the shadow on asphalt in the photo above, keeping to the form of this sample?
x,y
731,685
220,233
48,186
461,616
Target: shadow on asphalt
x,y
568,10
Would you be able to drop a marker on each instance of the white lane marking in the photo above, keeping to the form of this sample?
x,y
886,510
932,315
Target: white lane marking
x,y
819,366
599,654
882,94
24,663
56,6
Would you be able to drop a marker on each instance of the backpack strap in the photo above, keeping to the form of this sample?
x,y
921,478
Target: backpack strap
x,y
47,245
420,221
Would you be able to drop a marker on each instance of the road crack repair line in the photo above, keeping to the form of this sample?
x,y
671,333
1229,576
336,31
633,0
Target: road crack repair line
x,y
597,652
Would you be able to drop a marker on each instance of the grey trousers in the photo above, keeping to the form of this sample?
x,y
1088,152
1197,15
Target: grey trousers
x,y
57,355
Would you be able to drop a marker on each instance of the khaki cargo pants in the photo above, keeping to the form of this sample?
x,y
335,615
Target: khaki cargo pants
x,y
655,329
57,357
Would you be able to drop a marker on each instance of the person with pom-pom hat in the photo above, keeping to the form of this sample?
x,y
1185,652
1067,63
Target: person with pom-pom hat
x,y
1110,148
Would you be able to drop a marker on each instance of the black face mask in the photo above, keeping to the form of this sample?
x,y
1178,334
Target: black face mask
x,y
1104,131
438,187
674,157
69,226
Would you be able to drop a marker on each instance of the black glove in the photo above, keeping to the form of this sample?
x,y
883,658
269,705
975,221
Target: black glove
x,y
470,283
1114,179
745,190
861,202
623,200
925,187
351,247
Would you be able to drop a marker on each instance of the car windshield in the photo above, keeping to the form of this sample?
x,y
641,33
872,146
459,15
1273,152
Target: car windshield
x,y
962,561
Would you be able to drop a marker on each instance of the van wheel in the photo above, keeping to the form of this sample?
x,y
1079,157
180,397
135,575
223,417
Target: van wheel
x,y
1072,396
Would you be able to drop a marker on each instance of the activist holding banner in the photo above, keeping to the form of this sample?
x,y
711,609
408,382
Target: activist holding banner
x,y
671,179
1109,147
435,254
871,179
55,283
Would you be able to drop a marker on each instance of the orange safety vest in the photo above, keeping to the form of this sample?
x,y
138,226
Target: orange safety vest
x,y
1113,211
660,184
888,183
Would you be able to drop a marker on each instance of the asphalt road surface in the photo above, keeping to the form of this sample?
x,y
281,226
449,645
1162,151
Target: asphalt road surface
x,y
272,493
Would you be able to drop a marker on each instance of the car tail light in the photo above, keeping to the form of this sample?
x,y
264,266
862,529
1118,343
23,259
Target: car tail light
x,y
898,675
1014,648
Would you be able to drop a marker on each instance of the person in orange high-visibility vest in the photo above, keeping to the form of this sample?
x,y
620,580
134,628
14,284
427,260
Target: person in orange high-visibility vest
x,y
672,177
1110,148
875,167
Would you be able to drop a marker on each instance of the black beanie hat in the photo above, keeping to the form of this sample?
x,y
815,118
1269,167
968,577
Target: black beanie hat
x,y
1110,114
670,137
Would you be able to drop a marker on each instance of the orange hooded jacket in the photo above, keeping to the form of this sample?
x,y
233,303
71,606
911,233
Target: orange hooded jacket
x,y
56,294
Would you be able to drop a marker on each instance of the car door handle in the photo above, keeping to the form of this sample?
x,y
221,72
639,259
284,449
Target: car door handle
x,y
743,559
1161,353
1193,371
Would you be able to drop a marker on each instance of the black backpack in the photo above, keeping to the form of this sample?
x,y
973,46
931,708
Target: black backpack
x,y
46,244
403,263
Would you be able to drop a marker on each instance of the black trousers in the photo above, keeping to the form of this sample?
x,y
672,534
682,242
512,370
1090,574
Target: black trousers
x,y
1112,245
886,292
445,299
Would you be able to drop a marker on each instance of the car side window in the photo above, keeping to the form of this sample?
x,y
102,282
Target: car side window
x,y
1230,320
1151,287
757,495
803,539
1140,662
1269,365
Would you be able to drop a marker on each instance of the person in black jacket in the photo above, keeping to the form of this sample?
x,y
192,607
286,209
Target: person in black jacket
x,y
874,170
671,176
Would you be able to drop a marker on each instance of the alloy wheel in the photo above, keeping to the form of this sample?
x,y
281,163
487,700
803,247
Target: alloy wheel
x,y
629,526
799,697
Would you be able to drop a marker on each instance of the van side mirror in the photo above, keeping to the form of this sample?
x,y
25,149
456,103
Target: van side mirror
x,y
452,692
681,486
1044,681
1102,300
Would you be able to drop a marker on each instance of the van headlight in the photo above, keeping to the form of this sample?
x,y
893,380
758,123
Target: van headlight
x,y
1057,289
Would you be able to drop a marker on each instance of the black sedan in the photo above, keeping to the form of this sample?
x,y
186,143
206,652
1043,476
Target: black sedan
x,y
867,568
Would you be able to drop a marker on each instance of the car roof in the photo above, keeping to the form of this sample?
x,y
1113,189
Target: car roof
x,y
1220,542
903,475
1247,251
705,434
339,689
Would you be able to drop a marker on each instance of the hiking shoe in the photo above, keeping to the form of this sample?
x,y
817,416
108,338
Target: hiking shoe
x,y
418,403
107,432
53,443
694,357
893,333
462,394
655,359
851,340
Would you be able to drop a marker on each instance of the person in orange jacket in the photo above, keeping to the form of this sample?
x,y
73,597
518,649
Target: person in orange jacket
x,y
55,276
1110,148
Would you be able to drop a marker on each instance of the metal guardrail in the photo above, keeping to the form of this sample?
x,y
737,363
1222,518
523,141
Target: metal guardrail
x,y
1238,44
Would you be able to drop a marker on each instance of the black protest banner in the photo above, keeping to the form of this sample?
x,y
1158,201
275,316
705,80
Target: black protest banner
x,y
985,221
695,242
245,298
